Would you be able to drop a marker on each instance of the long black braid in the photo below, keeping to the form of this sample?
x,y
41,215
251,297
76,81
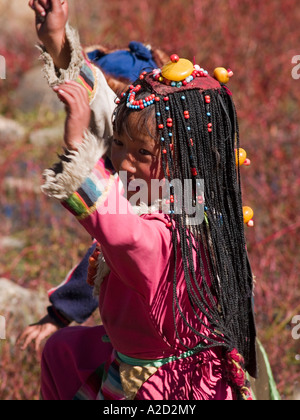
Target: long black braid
x,y
200,145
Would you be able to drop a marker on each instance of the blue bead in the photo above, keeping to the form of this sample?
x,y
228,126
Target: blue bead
x,y
162,139
167,108
183,98
173,84
189,128
208,114
158,114
170,134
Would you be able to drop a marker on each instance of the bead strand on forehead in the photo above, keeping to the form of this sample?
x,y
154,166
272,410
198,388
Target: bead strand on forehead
x,y
140,104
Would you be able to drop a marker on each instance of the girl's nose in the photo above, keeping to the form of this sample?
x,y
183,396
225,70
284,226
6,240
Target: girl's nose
x,y
128,164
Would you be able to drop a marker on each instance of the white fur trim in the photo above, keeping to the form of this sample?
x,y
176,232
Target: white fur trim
x,y
58,76
67,176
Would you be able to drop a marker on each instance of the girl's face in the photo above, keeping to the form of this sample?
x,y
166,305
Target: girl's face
x,y
137,154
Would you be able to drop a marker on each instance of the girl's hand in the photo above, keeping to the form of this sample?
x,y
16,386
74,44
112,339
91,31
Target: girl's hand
x,y
37,333
51,17
76,99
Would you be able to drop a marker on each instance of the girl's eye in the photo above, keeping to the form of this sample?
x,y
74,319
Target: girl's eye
x,y
145,152
117,142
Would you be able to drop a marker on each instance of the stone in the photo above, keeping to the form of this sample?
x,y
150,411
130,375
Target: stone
x,y
47,136
9,242
33,93
20,307
11,130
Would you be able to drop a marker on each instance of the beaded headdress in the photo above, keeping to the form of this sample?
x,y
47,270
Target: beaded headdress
x,y
180,75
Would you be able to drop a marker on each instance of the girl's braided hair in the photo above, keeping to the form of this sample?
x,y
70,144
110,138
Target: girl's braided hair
x,y
200,145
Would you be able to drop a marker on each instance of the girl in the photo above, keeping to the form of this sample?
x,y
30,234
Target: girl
x,y
73,300
175,294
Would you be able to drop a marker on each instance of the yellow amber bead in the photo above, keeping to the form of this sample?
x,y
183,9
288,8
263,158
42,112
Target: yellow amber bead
x,y
221,74
248,214
240,156
177,71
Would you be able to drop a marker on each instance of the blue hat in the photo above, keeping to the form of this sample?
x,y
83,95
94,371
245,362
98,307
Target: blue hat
x,y
126,64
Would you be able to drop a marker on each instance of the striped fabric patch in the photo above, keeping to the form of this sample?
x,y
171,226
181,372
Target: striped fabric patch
x,y
103,384
111,388
90,389
91,194
88,79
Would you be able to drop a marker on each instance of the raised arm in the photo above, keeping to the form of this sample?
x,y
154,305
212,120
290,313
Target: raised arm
x,y
65,61
51,17
91,193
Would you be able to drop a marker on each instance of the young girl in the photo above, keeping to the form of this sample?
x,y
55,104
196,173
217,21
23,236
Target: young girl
x,y
175,292
73,300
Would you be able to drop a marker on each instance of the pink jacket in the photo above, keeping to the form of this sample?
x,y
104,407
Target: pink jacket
x,y
136,298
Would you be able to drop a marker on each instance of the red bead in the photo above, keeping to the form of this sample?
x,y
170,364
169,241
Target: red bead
x,y
169,120
192,143
174,58
209,125
169,224
209,130
157,99
166,98
186,112
164,151
187,117
161,126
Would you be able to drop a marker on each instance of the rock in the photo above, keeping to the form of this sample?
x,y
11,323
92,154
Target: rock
x,y
20,307
10,130
11,243
34,93
47,136
16,14
20,185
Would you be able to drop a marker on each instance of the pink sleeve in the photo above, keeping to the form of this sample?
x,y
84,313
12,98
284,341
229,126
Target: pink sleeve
x,y
137,248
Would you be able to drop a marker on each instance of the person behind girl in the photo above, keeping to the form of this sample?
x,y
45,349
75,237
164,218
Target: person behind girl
x,y
176,300
73,300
